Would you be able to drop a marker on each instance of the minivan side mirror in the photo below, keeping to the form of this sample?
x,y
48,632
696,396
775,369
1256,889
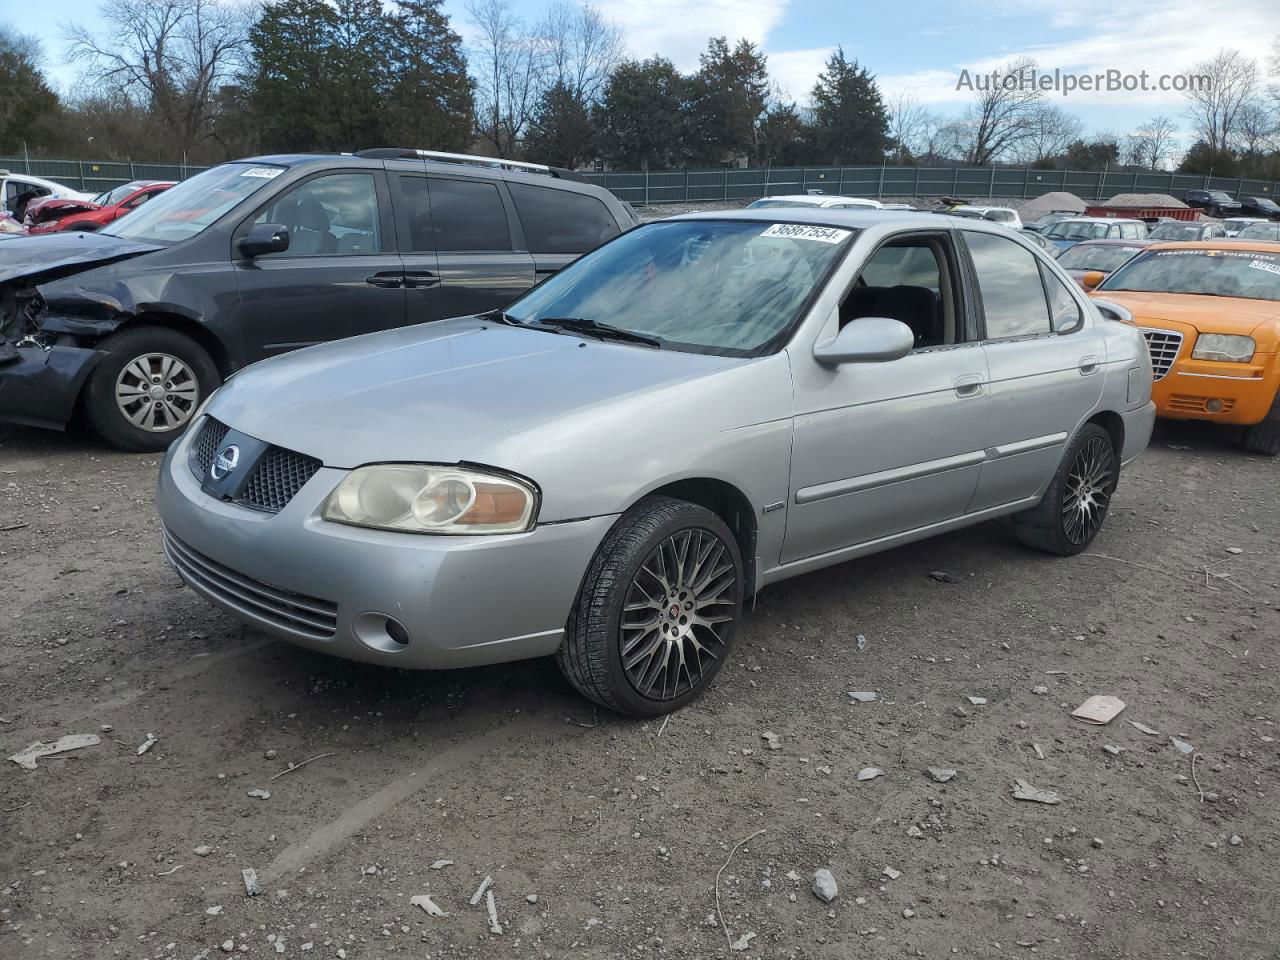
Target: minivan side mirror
x,y
263,238
866,340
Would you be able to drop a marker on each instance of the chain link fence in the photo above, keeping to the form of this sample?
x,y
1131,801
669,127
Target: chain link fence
x,y
733,183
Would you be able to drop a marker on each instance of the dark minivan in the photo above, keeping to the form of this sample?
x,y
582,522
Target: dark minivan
x,y
139,323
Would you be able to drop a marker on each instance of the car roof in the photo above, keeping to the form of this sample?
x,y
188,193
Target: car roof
x,y
1117,242
816,198
1226,243
852,218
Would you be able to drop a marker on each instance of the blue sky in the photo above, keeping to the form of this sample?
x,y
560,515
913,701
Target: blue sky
x,y
916,46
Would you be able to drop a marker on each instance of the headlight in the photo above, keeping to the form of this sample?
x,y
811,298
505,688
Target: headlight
x,y
1224,346
432,499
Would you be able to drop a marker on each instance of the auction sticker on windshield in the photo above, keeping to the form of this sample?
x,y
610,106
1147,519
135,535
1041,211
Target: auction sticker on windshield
x,y
265,173
800,231
1268,265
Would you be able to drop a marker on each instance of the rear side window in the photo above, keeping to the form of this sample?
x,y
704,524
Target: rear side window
x,y
560,221
467,215
1013,297
1063,309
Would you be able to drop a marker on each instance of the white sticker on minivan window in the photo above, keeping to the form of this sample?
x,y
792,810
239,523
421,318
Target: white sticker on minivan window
x,y
1270,267
800,231
265,173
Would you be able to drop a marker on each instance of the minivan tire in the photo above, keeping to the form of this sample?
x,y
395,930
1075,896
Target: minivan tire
x,y
1050,525
1264,437
624,586
134,345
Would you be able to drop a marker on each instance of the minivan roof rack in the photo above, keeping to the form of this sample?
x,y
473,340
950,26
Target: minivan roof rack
x,y
412,153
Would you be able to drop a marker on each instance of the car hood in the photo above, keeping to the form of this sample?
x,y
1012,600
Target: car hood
x,y
463,390
40,259
1205,314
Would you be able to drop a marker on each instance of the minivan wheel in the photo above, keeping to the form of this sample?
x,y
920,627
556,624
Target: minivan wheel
x,y
1073,508
1264,437
657,611
142,395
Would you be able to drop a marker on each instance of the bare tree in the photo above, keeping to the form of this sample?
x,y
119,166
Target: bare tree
x,y
512,65
1002,114
929,145
582,48
1230,82
1050,131
1152,145
1257,128
169,56
907,117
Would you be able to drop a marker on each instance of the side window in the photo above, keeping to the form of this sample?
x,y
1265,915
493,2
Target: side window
x,y
332,215
1013,297
1064,312
560,221
468,215
139,200
907,280
416,202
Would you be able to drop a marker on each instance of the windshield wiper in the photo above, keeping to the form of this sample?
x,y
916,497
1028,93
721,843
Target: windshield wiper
x,y
601,331
501,316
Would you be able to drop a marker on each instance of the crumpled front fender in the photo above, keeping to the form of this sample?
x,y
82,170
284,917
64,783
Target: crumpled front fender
x,y
40,387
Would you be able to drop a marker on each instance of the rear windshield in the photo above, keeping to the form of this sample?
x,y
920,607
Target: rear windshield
x,y
1104,257
185,210
1260,231
1176,231
761,204
1077,230
1214,273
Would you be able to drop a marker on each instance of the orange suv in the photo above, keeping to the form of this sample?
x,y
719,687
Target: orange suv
x,y
1210,312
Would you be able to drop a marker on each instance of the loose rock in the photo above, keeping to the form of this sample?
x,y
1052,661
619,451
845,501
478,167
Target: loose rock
x,y
824,885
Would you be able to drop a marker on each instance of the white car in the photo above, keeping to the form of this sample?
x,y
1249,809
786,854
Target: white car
x,y
817,200
1006,216
1234,225
15,186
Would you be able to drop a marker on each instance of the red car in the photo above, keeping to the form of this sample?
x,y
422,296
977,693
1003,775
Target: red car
x,y
51,214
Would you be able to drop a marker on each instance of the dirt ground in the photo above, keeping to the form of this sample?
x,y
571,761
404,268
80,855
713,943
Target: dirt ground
x,y
619,828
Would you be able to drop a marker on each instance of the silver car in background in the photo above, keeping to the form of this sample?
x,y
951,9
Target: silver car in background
x,y
608,470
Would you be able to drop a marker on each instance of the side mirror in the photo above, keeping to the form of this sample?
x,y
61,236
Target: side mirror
x,y
1092,278
1113,311
866,340
263,238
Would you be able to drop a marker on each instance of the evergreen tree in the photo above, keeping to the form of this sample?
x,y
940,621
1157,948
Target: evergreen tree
x,y
430,103
294,85
850,123
28,107
640,115
562,133
727,99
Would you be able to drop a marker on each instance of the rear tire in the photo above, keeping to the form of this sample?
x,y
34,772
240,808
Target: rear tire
x,y
118,398
1264,437
1074,507
657,611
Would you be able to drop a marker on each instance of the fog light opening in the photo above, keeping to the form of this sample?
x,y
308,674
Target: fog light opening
x,y
1214,405
380,632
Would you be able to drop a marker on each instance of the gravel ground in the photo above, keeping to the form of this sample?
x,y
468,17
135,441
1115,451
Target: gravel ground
x,y
605,836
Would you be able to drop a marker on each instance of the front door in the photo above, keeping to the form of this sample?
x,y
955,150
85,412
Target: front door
x,y
883,448
1046,368
341,275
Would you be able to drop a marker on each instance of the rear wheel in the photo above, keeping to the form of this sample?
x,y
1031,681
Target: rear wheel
x,y
1073,508
145,391
657,611
1264,437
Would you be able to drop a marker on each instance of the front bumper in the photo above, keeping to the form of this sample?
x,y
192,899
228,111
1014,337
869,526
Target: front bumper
x,y
1231,393
462,601
40,387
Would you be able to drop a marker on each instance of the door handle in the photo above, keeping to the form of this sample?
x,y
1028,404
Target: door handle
x,y
1088,366
969,386
386,280
421,279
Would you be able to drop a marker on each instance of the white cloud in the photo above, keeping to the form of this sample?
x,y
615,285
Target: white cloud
x,y
796,71
679,30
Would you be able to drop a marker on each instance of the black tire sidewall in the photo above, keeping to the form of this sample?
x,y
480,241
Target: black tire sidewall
x,y
122,348
1042,526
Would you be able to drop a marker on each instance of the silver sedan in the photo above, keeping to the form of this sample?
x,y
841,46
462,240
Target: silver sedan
x,y
610,468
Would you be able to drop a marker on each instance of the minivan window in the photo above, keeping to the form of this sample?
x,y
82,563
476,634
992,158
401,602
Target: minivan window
x,y
467,215
1009,279
560,221
185,210
333,215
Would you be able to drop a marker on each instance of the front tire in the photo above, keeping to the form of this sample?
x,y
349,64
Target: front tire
x,y
657,611
1264,437
1071,513
145,391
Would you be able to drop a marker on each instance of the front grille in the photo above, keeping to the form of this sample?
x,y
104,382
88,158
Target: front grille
x,y
278,475
1163,345
308,616
206,446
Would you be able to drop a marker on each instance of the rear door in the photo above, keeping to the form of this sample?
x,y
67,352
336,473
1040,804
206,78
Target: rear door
x,y
462,246
1045,367
341,275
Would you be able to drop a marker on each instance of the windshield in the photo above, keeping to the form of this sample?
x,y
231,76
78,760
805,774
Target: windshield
x,y
185,210
1077,230
703,286
111,197
1260,231
1176,231
1104,257
1219,273
1218,195
761,204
